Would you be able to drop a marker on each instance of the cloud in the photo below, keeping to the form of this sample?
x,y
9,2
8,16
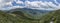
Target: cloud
x,y
13,7
5,3
39,5
19,2
56,2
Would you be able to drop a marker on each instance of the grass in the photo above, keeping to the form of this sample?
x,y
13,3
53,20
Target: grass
x,y
21,17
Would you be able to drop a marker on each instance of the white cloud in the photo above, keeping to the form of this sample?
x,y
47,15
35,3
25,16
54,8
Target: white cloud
x,y
13,7
19,2
8,3
41,5
33,5
4,3
56,2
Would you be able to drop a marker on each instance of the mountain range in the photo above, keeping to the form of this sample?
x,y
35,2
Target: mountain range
x,y
31,13
23,16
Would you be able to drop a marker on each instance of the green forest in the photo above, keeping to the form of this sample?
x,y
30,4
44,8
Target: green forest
x,y
21,17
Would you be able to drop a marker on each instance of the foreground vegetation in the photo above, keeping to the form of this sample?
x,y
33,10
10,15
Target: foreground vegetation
x,y
15,18
20,17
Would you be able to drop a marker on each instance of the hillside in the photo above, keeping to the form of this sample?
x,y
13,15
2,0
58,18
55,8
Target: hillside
x,y
30,13
21,17
51,17
13,18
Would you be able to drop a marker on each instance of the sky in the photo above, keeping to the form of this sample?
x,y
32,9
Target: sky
x,y
32,4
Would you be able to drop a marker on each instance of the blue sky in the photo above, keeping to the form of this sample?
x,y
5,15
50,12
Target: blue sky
x,y
37,0
58,1
33,4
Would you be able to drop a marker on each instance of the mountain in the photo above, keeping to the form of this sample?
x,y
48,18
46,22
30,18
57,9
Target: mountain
x,y
53,17
13,18
30,13
23,17
28,9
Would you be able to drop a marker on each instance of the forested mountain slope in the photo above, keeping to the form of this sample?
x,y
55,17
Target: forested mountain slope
x,y
20,17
